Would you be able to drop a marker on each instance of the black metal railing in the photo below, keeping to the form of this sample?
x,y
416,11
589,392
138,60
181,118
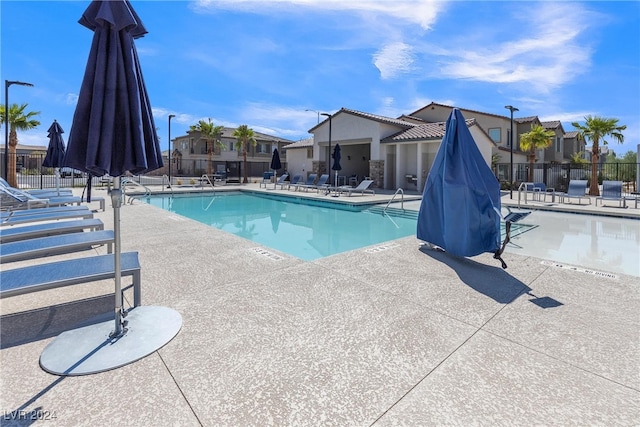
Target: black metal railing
x,y
557,176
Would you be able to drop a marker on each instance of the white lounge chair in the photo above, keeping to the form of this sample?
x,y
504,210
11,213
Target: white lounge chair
x,y
362,188
577,190
32,231
54,245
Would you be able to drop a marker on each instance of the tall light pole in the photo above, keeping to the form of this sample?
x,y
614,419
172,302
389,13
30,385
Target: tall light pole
x,y
171,116
317,112
512,109
328,158
8,83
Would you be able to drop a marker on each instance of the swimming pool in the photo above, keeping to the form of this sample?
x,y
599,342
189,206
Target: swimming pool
x,y
305,229
603,243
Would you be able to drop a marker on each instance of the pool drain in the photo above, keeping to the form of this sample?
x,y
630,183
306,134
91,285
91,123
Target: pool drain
x,y
266,253
380,248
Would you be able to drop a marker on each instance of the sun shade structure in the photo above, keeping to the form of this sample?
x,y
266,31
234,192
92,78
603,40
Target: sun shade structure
x,y
460,210
113,132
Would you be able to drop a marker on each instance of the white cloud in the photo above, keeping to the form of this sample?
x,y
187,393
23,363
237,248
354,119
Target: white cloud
x,y
71,99
393,60
420,12
548,50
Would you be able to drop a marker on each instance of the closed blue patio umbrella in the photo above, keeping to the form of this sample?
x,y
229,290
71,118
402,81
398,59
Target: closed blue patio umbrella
x,y
275,164
55,151
113,133
460,209
337,156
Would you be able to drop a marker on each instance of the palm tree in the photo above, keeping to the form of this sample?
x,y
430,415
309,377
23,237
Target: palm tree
x,y
18,120
596,129
244,135
211,133
537,139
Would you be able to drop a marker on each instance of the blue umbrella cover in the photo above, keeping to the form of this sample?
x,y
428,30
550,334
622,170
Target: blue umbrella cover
x,y
55,150
113,129
460,209
275,160
337,156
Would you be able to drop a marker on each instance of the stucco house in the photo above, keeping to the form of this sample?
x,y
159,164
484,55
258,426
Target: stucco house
x,y
399,152
189,155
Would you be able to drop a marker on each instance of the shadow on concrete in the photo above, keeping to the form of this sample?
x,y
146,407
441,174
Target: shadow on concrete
x,y
34,325
493,282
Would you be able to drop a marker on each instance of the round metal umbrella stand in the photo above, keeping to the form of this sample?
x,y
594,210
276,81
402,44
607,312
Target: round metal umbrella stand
x,y
113,115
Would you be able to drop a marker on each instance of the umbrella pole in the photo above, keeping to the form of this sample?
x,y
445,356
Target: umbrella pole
x,y
58,180
116,200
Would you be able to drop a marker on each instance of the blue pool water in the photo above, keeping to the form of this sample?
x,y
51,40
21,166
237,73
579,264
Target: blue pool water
x,y
302,228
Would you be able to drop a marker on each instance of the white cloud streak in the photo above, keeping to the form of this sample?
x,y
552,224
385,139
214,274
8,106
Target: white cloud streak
x,y
420,12
393,60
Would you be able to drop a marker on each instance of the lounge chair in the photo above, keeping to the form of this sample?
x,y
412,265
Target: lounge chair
x,y
362,188
29,200
54,245
28,212
611,190
40,215
266,179
34,278
294,181
309,182
14,234
281,181
320,185
577,190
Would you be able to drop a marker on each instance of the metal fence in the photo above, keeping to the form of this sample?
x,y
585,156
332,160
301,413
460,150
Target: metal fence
x,y
557,176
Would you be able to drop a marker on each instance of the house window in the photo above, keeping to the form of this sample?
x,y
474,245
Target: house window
x,y
310,153
494,134
558,144
232,146
263,148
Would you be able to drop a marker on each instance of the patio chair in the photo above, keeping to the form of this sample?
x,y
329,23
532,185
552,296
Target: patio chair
x,y
320,185
577,190
266,179
55,245
294,181
612,190
29,200
39,215
309,182
32,231
281,180
362,188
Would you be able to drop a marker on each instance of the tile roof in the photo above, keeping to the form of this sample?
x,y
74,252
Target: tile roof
x,y
370,116
423,131
554,124
525,119
572,134
303,143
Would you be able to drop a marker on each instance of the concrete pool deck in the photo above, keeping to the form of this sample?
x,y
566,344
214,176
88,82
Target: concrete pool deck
x,y
393,334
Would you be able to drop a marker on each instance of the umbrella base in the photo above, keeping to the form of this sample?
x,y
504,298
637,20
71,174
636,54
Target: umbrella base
x,y
89,349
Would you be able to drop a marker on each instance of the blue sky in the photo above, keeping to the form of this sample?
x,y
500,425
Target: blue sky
x,y
263,63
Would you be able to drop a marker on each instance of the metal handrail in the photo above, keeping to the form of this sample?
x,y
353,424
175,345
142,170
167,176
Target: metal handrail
x,y
205,177
168,183
399,190
123,185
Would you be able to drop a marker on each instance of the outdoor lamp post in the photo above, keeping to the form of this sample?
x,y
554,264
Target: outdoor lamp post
x,y
171,116
512,109
328,158
8,83
317,112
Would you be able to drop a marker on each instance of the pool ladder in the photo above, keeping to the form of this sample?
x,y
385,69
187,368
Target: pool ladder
x,y
123,185
401,191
